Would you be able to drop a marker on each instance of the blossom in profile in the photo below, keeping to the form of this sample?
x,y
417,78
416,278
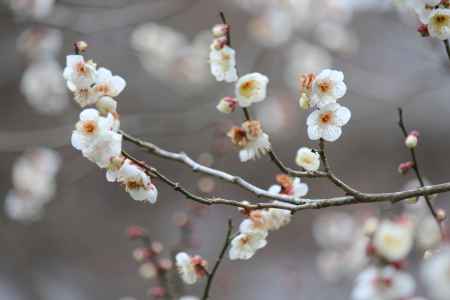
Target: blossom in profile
x,y
394,240
245,245
223,64
103,148
289,186
308,159
385,283
327,87
227,105
251,88
423,8
107,84
190,268
278,217
439,24
435,274
326,122
79,73
137,183
251,140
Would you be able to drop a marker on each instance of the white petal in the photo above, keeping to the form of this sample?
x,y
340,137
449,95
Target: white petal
x,y
342,116
119,84
331,133
89,114
314,132
313,118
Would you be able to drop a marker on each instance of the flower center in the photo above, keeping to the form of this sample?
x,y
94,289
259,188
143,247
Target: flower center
x,y
247,88
326,117
134,184
81,69
324,86
102,88
245,240
440,19
391,242
89,127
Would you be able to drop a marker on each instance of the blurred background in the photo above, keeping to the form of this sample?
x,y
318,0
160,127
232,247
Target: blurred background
x,y
74,245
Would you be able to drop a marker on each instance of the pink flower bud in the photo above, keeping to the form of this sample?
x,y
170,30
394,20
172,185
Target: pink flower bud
x,y
441,215
220,30
219,43
227,105
157,292
403,168
423,30
135,232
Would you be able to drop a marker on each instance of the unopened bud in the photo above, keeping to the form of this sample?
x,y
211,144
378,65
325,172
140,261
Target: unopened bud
x,y
441,215
106,105
157,292
304,101
403,168
412,139
157,247
227,105
219,43
165,264
135,232
220,30
147,271
422,29
81,46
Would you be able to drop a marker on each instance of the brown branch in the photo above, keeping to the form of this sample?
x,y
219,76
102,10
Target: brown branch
x,y
447,48
401,124
219,260
196,167
306,203
339,183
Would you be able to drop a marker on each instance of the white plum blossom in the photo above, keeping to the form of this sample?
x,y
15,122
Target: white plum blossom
x,y
186,268
326,122
289,186
33,178
278,217
394,240
250,239
423,8
308,159
190,268
137,183
78,73
83,96
223,64
251,88
428,233
108,85
439,24
436,274
89,127
103,148
327,87
385,283
227,105
250,138
43,87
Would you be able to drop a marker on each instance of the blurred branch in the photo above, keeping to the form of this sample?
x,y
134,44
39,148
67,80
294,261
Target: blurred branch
x,y
447,48
219,260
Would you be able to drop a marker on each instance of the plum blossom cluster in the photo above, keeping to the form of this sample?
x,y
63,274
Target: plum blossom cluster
x,y
34,184
434,17
254,230
251,88
390,242
321,92
96,133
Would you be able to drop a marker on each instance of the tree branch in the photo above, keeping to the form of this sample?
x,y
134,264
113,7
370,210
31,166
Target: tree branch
x,y
219,260
401,124
447,48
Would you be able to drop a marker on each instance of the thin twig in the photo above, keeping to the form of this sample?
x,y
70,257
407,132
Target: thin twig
x,y
219,260
339,183
447,48
401,124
